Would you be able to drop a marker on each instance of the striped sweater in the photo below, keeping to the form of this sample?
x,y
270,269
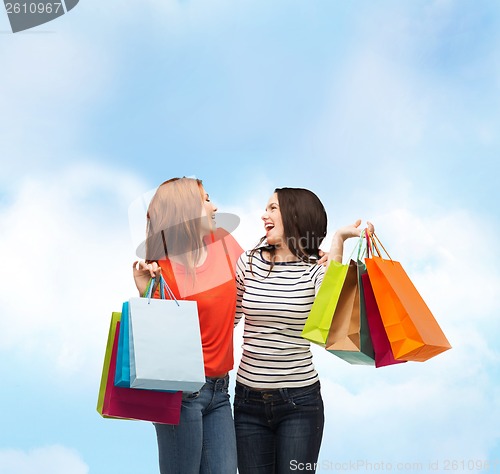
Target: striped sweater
x,y
275,306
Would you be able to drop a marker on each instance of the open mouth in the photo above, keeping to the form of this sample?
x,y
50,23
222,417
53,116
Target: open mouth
x,y
268,226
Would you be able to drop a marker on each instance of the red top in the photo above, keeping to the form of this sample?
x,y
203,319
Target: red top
x,y
214,289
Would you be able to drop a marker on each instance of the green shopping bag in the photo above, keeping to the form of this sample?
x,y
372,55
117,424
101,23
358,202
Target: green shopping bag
x,y
131,403
320,317
115,319
349,336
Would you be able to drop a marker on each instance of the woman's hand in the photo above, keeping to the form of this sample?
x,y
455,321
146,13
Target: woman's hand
x,y
341,235
143,272
348,231
323,258
353,230
370,226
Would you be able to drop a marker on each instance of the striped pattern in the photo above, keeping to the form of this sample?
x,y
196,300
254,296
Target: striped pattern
x,y
275,307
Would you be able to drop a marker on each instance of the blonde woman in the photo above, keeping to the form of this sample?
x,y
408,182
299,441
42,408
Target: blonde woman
x,y
197,261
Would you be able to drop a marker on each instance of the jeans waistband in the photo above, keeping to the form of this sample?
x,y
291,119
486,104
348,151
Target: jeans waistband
x,y
217,382
271,395
214,379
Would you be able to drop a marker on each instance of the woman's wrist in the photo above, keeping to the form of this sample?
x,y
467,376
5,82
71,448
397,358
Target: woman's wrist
x,y
339,237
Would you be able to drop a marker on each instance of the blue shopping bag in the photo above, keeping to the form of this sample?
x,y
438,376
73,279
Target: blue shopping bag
x,y
122,374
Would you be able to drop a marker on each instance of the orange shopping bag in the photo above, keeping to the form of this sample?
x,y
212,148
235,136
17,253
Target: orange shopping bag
x,y
413,332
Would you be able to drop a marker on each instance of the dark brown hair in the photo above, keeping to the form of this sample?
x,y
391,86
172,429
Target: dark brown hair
x,y
304,223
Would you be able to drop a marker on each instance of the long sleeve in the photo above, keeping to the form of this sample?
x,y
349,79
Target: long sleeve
x,y
240,287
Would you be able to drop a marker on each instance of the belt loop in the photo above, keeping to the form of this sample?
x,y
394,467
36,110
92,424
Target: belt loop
x,y
284,393
220,383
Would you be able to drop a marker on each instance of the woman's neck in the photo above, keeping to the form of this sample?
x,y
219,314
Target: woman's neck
x,y
284,254
202,256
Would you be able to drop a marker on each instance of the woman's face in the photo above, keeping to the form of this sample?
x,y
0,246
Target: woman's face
x,y
208,211
273,223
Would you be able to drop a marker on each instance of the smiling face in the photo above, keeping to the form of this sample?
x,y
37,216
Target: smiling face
x,y
208,224
273,222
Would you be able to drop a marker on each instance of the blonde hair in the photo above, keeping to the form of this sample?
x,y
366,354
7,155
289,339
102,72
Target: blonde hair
x,y
174,222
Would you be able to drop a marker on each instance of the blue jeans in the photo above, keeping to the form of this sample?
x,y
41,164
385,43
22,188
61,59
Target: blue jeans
x,y
278,431
204,441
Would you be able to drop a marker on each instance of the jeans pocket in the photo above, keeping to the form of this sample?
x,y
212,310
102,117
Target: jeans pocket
x,y
239,402
308,401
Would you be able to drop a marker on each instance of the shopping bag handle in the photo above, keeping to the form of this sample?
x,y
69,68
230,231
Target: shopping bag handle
x,y
373,238
369,249
164,288
364,251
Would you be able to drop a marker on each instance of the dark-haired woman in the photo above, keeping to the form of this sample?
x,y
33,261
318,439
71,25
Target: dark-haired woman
x,y
278,409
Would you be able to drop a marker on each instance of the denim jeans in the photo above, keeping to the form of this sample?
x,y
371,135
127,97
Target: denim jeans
x,y
204,441
278,431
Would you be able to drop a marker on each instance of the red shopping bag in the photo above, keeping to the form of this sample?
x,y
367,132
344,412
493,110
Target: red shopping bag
x,y
132,403
411,328
380,341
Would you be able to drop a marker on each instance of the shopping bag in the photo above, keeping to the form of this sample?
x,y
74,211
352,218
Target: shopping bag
x,y
115,321
165,344
319,320
380,341
122,374
411,328
132,404
349,336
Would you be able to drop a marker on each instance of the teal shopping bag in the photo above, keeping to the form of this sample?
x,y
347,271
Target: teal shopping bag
x,y
122,374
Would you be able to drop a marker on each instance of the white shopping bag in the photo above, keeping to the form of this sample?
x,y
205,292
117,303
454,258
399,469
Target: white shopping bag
x,y
165,345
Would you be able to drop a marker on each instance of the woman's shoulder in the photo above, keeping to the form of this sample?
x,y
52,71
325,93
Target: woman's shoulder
x,y
231,245
247,255
317,269
252,259
313,270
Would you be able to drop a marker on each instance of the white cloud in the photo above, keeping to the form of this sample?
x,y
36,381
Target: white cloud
x,y
67,241
445,408
376,107
54,459
52,80
442,409
421,418
450,258
67,246
407,95
250,229
249,206
418,413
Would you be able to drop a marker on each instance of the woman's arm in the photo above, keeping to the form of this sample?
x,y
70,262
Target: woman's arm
x,y
240,288
341,235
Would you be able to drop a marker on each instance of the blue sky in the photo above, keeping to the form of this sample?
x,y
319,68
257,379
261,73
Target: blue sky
x,y
388,110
